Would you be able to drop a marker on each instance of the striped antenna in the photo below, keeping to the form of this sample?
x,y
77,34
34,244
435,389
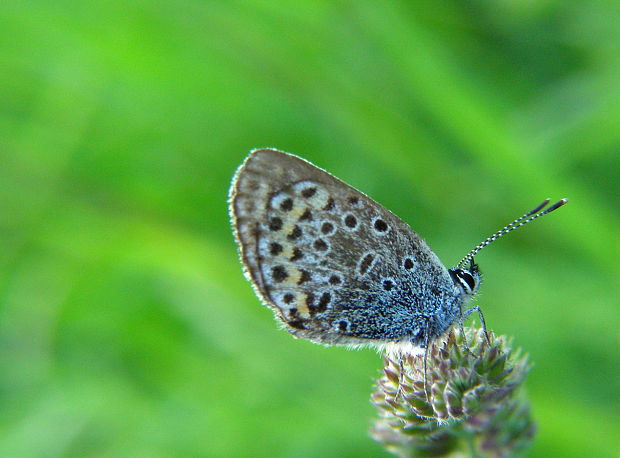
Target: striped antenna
x,y
517,223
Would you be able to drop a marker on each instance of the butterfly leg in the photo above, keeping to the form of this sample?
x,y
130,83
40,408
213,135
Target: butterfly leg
x,y
427,341
401,376
468,312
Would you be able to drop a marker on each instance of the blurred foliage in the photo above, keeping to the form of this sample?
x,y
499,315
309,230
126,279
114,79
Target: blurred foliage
x,y
126,327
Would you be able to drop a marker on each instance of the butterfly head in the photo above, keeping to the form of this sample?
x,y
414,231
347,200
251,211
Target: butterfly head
x,y
467,279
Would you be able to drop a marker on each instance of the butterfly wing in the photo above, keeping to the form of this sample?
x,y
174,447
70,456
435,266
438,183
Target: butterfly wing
x,y
334,265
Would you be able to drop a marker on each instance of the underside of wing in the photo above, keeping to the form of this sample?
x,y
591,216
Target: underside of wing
x,y
335,266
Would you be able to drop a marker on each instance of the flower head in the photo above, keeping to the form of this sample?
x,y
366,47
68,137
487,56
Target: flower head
x,y
471,403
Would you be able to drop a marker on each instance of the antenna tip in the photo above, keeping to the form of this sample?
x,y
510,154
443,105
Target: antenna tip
x,y
556,205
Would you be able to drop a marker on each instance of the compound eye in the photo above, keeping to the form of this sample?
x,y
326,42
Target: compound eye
x,y
469,279
465,280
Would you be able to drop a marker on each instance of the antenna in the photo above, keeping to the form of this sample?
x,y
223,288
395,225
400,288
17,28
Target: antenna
x,y
517,223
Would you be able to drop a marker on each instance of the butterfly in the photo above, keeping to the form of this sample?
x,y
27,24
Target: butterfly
x,y
336,267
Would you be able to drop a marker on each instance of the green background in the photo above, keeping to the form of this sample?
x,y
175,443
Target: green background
x,y
126,326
